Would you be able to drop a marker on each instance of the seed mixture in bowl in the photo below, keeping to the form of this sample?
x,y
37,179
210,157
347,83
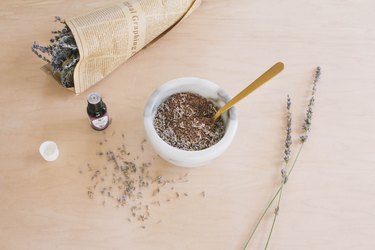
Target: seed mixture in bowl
x,y
184,121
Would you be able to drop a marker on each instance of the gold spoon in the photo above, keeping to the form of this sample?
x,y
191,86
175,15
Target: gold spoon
x,y
273,71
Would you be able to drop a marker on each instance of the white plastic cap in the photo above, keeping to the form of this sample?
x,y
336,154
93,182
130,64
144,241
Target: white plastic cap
x,y
49,150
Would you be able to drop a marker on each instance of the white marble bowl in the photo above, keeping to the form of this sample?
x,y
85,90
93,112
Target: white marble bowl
x,y
206,89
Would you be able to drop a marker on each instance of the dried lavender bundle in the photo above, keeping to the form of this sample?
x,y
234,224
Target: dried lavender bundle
x,y
62,54
287,151
107,37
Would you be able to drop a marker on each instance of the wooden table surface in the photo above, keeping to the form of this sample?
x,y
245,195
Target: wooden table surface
x,y
328,202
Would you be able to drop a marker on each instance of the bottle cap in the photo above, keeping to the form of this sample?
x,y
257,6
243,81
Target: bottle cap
x,y
49,150
94,98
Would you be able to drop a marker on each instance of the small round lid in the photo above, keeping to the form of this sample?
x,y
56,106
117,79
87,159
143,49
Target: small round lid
x,y
49,150
94,98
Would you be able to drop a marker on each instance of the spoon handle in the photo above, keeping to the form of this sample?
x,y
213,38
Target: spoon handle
x,y
273,71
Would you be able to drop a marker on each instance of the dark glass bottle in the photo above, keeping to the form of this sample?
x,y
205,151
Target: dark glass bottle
x,y
97,112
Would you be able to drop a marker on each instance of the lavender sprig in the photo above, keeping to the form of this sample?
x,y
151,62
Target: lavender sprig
x,y
62,52
288,138
284,173
287,152
309,112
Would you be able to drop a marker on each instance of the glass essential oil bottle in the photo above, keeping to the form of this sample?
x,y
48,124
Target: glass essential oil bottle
x,y
97,112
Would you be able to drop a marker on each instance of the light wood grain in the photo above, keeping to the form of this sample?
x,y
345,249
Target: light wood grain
x,y
328,202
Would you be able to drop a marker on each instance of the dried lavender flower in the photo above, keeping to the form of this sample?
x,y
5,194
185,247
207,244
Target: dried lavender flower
x,y
309,112
62,52
288,137
284,173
